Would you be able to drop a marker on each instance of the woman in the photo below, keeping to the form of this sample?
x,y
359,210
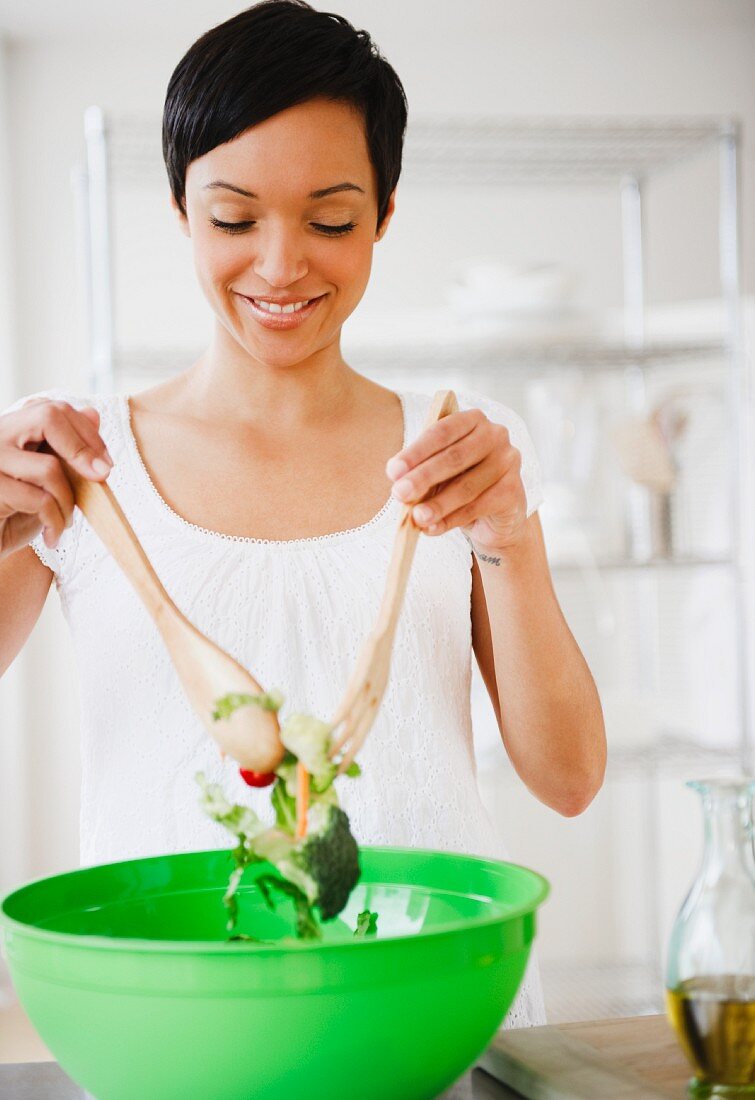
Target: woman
x,y
257,482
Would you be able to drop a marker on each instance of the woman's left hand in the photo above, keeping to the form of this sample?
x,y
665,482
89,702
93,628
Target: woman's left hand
x,y
477,473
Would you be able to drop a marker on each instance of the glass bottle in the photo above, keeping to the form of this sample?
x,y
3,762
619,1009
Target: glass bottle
x,y
710,975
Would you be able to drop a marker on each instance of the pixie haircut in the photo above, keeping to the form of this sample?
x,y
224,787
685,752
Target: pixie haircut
x,y
272,56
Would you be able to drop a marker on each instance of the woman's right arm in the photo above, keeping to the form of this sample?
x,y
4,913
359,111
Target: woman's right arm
x,y
36,495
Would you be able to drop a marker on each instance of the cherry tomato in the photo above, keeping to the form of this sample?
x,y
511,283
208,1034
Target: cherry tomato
x,y
257,779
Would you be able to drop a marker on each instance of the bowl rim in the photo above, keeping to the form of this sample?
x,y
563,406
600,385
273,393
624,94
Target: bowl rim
x,y
234,947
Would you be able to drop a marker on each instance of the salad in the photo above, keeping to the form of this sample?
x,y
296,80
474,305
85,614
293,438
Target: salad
x,y
311,845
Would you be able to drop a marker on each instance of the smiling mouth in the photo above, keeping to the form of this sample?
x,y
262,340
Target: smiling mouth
x,y
282,315
276,307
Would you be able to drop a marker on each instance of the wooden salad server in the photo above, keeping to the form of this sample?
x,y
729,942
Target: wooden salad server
x,y
250,735
370,677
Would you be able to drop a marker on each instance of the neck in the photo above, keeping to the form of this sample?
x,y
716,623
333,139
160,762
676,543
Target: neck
x,y
228,384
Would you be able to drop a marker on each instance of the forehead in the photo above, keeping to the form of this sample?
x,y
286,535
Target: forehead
x,y
311,145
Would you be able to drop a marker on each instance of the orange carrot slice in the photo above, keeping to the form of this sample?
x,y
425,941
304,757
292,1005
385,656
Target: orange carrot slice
x,y
302,799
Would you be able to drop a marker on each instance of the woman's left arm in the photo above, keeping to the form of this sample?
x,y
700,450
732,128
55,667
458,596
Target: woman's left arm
x,y
548,708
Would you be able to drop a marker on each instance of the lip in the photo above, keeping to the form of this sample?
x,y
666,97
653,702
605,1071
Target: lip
x,y
281,321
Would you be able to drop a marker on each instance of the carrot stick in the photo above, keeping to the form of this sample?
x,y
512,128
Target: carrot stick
x,y
302,799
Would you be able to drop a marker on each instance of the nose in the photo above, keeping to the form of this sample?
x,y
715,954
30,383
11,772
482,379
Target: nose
x,y
280,259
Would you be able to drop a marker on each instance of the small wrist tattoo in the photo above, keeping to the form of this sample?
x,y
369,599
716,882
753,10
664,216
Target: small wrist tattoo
x,y
482,556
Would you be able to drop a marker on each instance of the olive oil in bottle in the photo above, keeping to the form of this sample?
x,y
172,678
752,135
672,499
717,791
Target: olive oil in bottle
x,y
714,1019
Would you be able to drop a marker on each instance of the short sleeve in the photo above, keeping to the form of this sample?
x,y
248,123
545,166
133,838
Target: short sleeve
x,y
520,438
58,557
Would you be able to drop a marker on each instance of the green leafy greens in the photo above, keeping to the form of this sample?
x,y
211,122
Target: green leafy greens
x,y
318,870
366,924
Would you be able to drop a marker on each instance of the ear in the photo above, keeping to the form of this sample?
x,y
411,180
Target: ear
x,y
380,232
183,221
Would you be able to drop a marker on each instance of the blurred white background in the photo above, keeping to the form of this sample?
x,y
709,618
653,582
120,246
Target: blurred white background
x,y
512,58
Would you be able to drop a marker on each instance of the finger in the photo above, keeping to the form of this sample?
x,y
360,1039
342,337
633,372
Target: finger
x,y
510,498
460,491
69,436
433,439
20,496
43,470
442,467
87,422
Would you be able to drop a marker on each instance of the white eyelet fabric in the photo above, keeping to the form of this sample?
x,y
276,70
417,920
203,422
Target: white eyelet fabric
x,y
295,613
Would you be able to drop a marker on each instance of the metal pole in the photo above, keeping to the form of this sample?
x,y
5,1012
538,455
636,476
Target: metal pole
x,y
102,377
644,589
632,240
729,236
638,536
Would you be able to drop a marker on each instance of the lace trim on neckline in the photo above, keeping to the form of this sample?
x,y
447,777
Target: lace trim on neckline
x,y
390,504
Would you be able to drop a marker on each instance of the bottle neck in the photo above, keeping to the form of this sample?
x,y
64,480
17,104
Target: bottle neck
x,y
728,833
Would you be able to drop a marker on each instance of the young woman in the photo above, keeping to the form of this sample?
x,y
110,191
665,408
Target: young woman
x,y
259,483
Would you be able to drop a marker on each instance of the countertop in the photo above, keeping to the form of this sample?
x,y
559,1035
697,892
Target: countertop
x,y
47,1081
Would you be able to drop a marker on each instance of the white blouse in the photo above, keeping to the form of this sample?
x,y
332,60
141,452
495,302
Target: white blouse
x,y
295,613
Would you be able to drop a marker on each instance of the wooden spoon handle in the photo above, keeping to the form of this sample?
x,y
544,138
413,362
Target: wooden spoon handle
x,y
407,534
98,503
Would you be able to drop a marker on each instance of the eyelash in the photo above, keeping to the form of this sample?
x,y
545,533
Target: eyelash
x,y
327,230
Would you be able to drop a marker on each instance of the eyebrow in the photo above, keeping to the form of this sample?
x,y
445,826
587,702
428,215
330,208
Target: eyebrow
x,y
320,194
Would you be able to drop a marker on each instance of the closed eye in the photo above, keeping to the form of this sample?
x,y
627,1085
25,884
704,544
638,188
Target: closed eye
x,y
240,227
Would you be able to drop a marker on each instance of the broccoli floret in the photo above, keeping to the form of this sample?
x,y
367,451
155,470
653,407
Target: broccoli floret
x,y
330,857
324,864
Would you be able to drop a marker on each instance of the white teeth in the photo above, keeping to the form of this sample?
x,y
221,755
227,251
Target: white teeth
x,y
273,307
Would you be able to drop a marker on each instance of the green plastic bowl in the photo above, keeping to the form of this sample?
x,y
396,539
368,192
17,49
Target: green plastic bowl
x,y
126,972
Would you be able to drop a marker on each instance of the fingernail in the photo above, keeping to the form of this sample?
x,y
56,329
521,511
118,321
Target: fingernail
x,y
395,467
422,513
100,466
109,457
403,489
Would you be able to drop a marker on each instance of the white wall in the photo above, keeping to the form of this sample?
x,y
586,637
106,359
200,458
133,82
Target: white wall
x,y
529,57
13,837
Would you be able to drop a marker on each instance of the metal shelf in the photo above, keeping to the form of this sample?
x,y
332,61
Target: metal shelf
x,y
124,152
475,352
669,754
478,150
488,151
618,565
581,991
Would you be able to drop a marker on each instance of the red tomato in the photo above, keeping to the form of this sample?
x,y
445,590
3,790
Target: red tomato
x,y
257,779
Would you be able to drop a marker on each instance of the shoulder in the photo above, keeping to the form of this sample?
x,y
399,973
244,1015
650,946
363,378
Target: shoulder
x,y
496,411
60,559
73,398
419,403
107,405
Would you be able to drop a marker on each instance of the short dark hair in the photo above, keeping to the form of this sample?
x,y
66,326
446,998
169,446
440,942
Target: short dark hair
x,y
272,56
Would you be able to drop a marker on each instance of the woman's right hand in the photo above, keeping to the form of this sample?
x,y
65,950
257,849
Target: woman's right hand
x,y
35,493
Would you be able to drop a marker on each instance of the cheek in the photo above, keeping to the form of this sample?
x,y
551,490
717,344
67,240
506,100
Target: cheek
x,y
215,263
351,267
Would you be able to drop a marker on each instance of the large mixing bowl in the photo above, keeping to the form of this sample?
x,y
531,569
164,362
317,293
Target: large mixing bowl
x,y
126,972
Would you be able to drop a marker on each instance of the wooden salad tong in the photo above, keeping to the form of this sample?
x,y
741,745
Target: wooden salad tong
x,y
251,734
367,685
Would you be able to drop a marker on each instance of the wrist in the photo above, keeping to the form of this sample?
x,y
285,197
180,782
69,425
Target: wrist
x,y
515,555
